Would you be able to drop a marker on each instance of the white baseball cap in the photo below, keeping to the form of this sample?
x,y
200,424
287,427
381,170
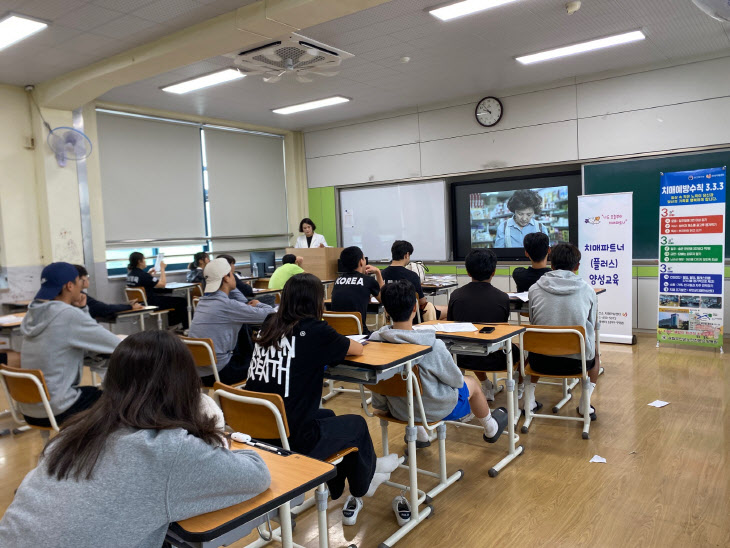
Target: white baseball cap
x,y
214,272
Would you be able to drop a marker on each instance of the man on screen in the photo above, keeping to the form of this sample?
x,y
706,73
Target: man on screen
x,y
525,205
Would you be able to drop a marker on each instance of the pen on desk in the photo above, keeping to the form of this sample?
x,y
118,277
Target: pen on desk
x,y
266,447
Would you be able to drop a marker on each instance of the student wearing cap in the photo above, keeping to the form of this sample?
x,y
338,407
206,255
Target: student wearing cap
x,y
222,315
57,332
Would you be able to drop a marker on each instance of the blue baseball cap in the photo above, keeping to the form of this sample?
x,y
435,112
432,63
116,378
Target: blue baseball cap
x,y
53,278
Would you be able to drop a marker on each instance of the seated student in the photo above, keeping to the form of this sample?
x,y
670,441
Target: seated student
x,y
57,333
480,302
98,309
137,277
292,350
537,248
195,269
401,252
145,455
353,288
242,286
447,394
290,266
561,297
222,315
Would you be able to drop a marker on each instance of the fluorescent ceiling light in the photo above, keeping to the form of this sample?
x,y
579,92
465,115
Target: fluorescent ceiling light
x,y
329,101
466,7
14,28
220,77
582,47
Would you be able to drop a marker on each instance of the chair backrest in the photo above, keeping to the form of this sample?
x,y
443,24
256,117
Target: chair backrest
x,y
27,386
396,386
197,291
136,293
553,340
24,385
258,414
196,300
203,351
345,323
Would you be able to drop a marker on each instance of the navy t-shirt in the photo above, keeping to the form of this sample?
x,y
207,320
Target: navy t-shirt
x,y
395,273
525,277
139,278
352,292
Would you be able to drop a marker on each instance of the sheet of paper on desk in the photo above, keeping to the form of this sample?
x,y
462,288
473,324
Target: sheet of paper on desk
x,y
357,338
373,300
521,296
449,327
12,318
658,403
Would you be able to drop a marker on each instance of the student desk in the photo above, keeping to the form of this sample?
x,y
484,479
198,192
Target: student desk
x,y
188,288
480,344
17,306
257,291
10,330
381,361
291,476
141,313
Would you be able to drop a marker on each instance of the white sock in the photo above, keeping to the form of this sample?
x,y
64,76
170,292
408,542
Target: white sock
x,y
586,393
378,478
489,424
422,434
388,463
529,397
520,390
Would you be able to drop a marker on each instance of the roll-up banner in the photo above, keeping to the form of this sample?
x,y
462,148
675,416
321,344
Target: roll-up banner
x,y
692,257
605,236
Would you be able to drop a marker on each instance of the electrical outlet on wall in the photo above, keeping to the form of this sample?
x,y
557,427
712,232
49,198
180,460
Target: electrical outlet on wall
x,y
29,143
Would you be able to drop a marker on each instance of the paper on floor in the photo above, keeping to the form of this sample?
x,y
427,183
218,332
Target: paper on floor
x,y
658,403
597,458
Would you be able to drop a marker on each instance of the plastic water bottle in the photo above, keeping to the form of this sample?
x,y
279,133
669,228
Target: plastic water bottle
x,y
255,270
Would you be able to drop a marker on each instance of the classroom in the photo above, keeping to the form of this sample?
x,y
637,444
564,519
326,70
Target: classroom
x,y
265,266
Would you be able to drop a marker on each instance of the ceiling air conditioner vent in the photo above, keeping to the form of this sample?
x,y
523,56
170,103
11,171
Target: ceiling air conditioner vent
x,y
295,55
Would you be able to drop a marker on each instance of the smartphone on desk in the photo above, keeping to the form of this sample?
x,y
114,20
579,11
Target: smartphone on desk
x,y
487,329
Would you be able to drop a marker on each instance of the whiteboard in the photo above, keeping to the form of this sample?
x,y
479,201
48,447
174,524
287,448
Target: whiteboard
x,y
373,217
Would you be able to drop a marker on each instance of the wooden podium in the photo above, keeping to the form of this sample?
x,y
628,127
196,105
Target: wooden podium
x,y
320,261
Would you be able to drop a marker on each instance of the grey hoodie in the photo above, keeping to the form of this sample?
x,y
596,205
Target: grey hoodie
x,y
143,481
440,378
562,298
56,336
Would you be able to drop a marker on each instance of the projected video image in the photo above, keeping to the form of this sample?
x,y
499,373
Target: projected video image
x,y
502,219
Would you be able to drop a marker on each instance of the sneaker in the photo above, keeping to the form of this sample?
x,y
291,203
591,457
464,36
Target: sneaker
x,y
350,510
402,510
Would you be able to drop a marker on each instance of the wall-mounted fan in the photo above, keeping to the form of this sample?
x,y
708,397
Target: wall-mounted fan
x,y
68,143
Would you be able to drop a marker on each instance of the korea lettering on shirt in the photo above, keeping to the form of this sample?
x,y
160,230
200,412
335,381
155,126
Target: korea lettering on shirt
x,y
349,281
272,365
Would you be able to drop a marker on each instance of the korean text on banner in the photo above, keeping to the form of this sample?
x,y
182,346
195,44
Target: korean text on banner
x,y
605,240
691,257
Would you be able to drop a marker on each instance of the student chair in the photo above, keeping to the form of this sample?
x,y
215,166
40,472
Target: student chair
x,y
203,353
196,300
398,386
140,295
556,341
27,386
345,323
197,291
263,416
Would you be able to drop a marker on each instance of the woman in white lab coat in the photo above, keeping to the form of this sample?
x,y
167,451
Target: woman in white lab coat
x,y
310,238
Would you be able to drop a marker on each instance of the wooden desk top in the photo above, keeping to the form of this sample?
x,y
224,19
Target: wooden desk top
x,y
291,476
19,304
19,315
500,333
440,285
382,355
258,291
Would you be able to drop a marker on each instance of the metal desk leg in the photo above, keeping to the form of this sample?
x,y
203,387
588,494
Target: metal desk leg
x,y
511,404
416,515
286,532
190,307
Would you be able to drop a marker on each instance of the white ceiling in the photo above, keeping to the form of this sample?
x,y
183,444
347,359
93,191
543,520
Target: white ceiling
x,y
452,59
82,32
